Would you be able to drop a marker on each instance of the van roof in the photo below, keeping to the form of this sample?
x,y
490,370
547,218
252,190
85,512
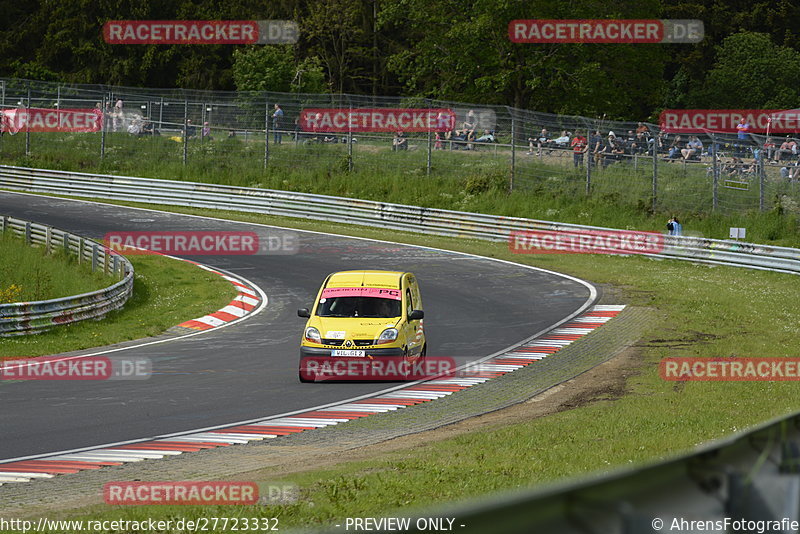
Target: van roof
x,y
387,279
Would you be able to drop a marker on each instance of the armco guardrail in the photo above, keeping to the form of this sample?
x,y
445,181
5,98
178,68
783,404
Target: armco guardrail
x,y
367,213
32,317
748,482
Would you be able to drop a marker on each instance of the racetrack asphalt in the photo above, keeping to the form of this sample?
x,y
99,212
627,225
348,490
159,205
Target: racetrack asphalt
x,y
473,307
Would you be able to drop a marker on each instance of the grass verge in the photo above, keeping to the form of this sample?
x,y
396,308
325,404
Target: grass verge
x,y
29,274
704,311
547,188
166,292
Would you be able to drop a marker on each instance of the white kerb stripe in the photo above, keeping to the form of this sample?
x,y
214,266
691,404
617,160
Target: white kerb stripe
x,y
609,307
211,321
234,310
241,297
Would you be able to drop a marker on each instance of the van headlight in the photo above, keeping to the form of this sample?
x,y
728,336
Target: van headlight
x,y
387,336
312,335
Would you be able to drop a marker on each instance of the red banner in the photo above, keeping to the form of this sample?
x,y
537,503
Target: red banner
x,y
377,120
727,120
52,120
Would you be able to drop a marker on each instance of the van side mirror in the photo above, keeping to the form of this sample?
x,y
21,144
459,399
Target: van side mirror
x,y
303,312
416,315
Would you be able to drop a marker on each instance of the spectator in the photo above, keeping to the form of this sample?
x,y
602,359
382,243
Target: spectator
x,y
770,149
277,120
117,115
742,136
205,133
579,147
675,148
597,148
693,148
190,130
487,137
641,129
470,123
562,141
399,142
788,150
674,226
438,145
791,171
543,139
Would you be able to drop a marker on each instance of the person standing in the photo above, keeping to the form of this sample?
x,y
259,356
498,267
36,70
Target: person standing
x,y
579,146
277,120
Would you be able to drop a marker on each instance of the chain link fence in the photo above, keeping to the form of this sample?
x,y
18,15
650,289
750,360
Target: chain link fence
x,y
203,132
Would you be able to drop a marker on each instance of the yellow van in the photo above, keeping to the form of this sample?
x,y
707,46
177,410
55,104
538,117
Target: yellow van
x,y
364,314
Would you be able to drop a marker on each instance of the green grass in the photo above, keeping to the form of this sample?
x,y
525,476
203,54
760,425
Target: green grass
x,y
547,188
29,274
703,311
166,292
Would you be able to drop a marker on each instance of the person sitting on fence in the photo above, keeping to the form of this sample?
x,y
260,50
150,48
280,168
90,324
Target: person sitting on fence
x,y
459,139
487,137
399,142
770,149
616,149
675,148
640,144
788,150
470,122
693,148
562,141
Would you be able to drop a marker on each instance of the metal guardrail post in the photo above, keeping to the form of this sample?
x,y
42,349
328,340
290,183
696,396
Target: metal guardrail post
x,y
94,258
65,242
28,239
48,237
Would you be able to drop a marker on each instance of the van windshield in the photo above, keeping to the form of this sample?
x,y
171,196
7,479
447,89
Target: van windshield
x,y
359,307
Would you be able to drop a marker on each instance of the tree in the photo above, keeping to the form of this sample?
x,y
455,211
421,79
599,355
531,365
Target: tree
x,y
752,72
274,68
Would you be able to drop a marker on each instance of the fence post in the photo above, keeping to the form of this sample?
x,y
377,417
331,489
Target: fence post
x,y
589,161
28,123
715,173
185,130
65,242
655,173
48,237
350,165
513,151
428,162
94,257
28,237
104,123
761,172
266,132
